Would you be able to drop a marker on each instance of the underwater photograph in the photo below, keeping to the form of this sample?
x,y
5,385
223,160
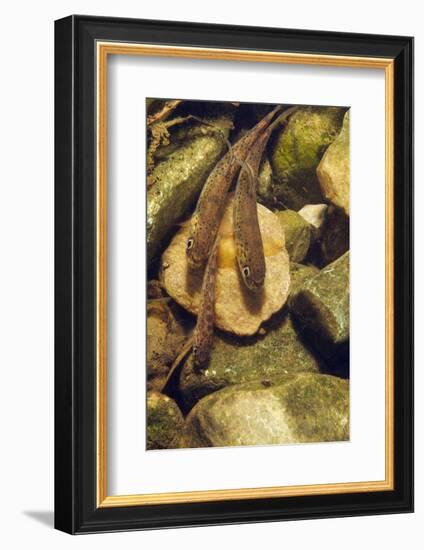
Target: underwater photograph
x,y
247,273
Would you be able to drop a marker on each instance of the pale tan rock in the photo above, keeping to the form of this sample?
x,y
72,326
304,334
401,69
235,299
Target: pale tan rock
x,y
237,309
334,169
314,214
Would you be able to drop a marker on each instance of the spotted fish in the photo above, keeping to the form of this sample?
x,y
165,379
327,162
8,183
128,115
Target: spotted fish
x,y
203,332
247,235
205,221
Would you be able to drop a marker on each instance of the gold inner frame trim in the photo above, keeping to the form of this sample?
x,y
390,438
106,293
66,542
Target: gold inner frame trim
x,y
103,50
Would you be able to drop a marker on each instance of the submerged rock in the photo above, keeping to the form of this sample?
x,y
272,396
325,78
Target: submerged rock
x,y
296,154
300,408
155,290
164,422
165,336
297,233
300,273
261,358
177,182
334,169
321,307
264,184
334,239
315,215
237,309
184,128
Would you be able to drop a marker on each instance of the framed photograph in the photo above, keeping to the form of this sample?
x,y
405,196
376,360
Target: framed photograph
x,y
234,274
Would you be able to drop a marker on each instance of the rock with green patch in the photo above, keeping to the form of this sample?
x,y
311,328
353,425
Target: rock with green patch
x,y
176,182
276,350
334,169
298,408
164,422
297,232
296,153
321,307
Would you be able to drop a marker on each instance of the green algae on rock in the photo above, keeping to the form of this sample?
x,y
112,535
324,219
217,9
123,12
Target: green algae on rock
x,y
164,422
334,169
296,154
177,182
297,232
262,358
298,408
321,307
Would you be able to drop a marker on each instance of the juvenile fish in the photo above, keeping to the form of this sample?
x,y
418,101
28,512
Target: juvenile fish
x,y
210,206
203,332
247,235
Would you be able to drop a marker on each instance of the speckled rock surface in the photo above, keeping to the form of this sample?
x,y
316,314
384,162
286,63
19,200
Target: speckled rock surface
x,y
334,169
300,408
300,273
297,233
321,306
297,151
165,336
263,357
164,422
237,309
178,180
188,129
314,214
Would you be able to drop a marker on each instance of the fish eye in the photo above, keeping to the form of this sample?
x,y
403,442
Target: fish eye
x,y
190,243
246,271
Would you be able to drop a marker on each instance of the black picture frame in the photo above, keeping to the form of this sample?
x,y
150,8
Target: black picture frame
x,y
76,510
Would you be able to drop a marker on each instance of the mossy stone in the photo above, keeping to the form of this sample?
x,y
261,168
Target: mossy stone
x,y
334,169
264,357
178,181
321,307
297,408
297,232
164,422
296,153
